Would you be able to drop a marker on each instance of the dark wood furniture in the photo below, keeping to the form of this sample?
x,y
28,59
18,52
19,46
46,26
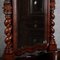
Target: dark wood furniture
x,y
29,28
58,54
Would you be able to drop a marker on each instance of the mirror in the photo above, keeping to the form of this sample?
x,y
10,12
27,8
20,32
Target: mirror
x,y
31,22
29,28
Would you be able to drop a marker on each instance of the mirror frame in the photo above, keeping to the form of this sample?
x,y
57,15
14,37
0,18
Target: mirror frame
x,y
11,30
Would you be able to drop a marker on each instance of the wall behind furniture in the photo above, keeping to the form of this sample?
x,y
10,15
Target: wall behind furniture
x,y
2,27
57,22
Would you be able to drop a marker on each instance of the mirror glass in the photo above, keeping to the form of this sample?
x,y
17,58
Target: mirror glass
x,y
31,22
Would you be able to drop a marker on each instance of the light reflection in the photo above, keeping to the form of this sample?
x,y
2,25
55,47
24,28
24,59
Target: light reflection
x,y
35,2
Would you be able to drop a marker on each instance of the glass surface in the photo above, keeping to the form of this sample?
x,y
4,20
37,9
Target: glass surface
x,y
31,22
36,6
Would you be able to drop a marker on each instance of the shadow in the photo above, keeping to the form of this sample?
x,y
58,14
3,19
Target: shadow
x,y
41,56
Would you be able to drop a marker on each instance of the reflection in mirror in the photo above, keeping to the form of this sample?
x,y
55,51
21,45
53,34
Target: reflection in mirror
x,y
36,6
31,22
35,2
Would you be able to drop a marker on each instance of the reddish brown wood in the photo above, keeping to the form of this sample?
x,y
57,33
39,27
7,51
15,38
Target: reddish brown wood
x,y
15,24
31,49
11,50
8,57
8,53
52,43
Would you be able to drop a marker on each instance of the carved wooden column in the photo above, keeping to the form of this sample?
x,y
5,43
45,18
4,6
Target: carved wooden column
x,y
52,43
8,53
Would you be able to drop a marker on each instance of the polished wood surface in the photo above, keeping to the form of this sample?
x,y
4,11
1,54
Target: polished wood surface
x,y
11,50
58,54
